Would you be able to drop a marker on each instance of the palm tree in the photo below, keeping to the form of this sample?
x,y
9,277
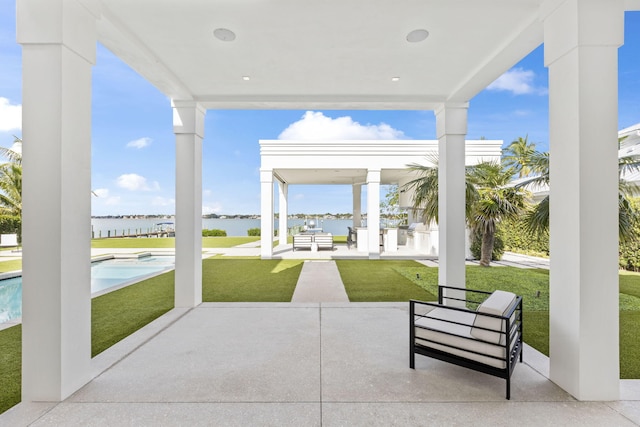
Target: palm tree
x,y
518,155
11,185
496,202
537,219
488,201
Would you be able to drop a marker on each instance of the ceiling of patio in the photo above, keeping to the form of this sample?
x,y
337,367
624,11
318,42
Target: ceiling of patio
x,y
331,54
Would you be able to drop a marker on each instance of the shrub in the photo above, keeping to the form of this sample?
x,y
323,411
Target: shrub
x,y
253,232
518,239
214,233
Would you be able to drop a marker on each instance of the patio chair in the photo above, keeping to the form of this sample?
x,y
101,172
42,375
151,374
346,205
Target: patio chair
x,y
487,339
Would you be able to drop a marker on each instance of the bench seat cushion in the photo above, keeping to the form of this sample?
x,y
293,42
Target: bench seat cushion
x,y
437,337
498,304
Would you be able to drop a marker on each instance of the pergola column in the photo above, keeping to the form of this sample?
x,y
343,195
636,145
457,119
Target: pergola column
x,y
357,205
266,213
58,41
581,44
188,126
283,211
451,129
373,212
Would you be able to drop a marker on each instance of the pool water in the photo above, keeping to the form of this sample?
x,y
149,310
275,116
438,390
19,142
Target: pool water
x,y
104,275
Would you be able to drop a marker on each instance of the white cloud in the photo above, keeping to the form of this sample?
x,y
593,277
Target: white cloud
x,y
135,182
517,81
317,126
10,116
140,143
211,208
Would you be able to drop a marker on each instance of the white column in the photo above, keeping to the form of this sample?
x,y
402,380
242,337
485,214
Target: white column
x,y
357,205
451,128
283,211
373,212
188,126
58,41
581,44
266,213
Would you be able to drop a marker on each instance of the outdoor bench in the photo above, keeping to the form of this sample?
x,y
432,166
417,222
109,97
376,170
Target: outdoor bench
x,y
487,340
324,241
302,241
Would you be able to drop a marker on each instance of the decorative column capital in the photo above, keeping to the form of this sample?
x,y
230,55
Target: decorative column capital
x,y
188,117
451,119
68,23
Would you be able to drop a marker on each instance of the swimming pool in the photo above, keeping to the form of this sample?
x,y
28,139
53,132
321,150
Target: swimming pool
x,y
105,275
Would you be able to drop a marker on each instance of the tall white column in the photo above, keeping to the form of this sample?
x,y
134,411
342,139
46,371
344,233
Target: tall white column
x,y
283,211
58,41
373,212
357,205
451,128
188,126
266,213
581,43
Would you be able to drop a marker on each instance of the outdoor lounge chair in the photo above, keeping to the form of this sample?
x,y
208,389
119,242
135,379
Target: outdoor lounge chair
x,y
302,241
324,241
487,340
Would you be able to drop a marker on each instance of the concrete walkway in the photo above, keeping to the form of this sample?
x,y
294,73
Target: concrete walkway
x,y
319,281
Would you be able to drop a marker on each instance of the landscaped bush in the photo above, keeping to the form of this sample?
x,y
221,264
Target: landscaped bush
x,y
518,239
498,246
214,233
253,232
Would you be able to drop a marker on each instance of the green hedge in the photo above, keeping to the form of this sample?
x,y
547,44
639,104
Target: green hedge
x,y
214,233
253,232
518,239
630,251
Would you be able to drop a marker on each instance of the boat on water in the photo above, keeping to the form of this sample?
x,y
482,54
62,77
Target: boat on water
x,y
165,229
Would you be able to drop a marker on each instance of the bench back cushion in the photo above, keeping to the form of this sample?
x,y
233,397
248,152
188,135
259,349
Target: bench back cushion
x,y
497,303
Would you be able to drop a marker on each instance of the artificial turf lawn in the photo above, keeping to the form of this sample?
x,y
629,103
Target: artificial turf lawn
x,y
11,265
169,242
380,280
249,280
118,314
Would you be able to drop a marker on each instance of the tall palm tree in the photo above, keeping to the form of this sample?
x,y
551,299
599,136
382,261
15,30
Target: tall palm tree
x,y
11,185
489,199
496,202
518,155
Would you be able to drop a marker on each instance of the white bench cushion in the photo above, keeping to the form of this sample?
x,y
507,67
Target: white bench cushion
x,y
497,303
462,336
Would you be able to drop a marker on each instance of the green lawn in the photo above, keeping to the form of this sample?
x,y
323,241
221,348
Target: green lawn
x,y
376,280
11,265
249,279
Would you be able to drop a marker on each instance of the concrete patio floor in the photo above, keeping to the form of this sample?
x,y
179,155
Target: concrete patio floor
x,y
305,364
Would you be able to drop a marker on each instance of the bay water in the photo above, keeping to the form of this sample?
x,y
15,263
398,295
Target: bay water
x,y
101,227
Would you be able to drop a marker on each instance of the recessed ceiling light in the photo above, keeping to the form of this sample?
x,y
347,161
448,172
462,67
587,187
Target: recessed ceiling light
x,y
246,78
224,34
395,79
418,35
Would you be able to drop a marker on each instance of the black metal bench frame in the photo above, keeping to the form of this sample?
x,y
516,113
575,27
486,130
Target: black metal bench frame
x,y
513,339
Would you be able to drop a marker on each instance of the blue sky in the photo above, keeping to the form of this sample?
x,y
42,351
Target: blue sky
x,y
133,145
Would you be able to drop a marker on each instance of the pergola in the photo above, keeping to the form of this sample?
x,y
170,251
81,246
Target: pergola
x,y
355,163
334,54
